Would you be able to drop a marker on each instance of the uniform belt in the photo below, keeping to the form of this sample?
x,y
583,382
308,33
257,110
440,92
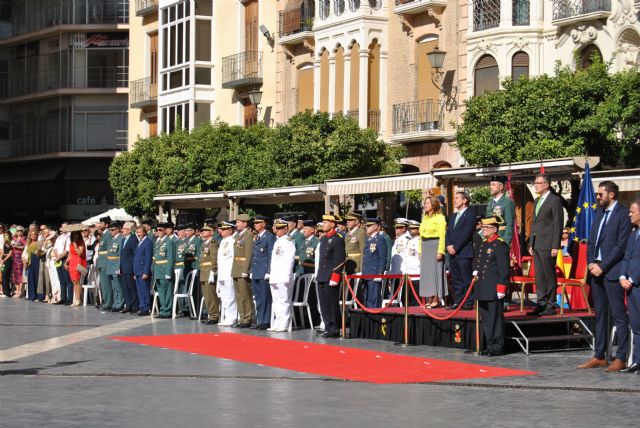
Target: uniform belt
x,y
502,228
113,258
161,262
190,259
308,264
240,259
103,252
179,263
354,254
205,264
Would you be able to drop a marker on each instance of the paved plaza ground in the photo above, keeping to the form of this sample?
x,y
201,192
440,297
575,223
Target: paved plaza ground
x,y
61,368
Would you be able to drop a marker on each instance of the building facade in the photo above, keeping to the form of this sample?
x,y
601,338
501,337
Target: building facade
x,y
63,105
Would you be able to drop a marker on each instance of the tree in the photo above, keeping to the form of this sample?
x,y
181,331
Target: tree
x,y
572,113
309,149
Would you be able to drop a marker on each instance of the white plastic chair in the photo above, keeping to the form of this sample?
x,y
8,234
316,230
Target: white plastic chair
x,y
393,283
93,283
351,300
186,294
612,338
300,298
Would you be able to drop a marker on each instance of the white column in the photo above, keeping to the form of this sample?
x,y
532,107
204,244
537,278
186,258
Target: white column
x,y
363,94
316,84
506,13
383,93
347,82
332,84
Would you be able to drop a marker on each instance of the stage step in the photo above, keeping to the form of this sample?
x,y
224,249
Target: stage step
x,y
569,329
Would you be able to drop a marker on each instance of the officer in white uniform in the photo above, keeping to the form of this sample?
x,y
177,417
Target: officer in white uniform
x,y
228,306
411,260
399,248
281,277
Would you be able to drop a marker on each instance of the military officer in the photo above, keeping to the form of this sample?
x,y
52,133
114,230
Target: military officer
x,y
384,231
208,263
163,265
260,271
331,260
181,247
101,264
295,235
242,252
374,261
500,205
354,242
228,305
399,248
192,245
113,266
148,226
281,277
492,272
307,253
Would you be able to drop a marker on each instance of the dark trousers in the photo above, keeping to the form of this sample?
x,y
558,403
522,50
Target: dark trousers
x,y
66,286
143,292
633,306
461,270
6,277
105,289
262,294
32,278
329,307
492,322
546,283
608,298
129,291
372,294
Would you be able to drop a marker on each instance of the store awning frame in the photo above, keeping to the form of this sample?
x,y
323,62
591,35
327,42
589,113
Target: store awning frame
x,y
380,184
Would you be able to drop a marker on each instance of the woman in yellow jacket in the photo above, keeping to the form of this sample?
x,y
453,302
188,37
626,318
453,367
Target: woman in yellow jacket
x,y
432,233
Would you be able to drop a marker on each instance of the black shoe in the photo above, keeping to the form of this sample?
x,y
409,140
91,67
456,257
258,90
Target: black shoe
x,y
536,311
550,310
116,309
264,326
329,335
319,332
124,311
255,326
164,317
245,325
632,368
105,309
236,325
453,307
211,322
143,313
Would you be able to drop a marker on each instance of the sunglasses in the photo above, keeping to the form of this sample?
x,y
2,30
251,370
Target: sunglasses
x,y
600,194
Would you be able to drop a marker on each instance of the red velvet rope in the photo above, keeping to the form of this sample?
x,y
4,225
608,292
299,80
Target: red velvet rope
x,y
381,310
452,314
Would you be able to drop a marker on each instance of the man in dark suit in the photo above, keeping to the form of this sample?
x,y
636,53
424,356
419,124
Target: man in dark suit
x,y
630,281
374,262
459,245
544,243
142,269
126,268
260,264
332,257
605,251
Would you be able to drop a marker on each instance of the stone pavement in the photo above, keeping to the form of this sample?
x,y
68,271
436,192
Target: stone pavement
x,y
60,368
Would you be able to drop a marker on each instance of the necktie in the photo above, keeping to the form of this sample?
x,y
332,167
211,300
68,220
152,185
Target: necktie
x,y
457,218
125,240
600,236
538,204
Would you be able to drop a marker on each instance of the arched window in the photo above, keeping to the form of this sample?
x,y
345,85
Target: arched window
x,y
486,75
486,14
354,5
520,12
325,6
338,7
519,65
586,56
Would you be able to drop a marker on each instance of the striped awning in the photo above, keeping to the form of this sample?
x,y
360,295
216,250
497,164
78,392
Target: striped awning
x,y
627,180
381,184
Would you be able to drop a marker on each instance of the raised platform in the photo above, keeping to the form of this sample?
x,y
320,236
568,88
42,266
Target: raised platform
x,y
459,331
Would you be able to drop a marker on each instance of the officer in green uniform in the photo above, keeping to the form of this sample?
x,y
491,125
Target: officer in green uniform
x,y
384,231
192,244
148,226
101,264
113,266
354,241
296,236
180,248
240,269
163,265
502,206
208,263
306,255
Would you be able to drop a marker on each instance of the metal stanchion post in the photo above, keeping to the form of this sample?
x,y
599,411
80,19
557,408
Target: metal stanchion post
x,y
406,309
344,305
477,327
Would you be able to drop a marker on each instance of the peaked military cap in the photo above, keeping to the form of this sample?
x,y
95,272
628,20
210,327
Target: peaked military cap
x,y
309,223
413,224
180,226
206,226
330,217
499,178
106,220
352,216
373,220
280,223
401,222
495,221
227,224
243,217
261,219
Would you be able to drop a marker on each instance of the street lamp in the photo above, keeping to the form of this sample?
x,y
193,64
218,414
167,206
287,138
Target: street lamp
x,y
255,96
436,60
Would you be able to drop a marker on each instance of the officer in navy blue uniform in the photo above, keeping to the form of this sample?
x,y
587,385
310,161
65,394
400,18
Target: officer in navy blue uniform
x,y
491,270
331,259
260,263
374,262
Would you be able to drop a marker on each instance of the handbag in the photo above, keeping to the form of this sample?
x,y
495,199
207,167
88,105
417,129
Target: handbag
x,y
83,270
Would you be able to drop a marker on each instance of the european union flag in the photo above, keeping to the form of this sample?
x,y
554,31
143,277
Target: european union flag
x,y
586,209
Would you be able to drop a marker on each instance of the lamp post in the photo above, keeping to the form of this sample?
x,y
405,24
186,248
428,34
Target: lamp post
x,y
436,60
255,96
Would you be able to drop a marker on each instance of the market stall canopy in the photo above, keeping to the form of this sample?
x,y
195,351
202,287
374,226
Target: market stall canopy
x,y
193,200
114,213
380,184
628,180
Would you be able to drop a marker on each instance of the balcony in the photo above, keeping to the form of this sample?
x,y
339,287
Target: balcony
x,y
373,118
332,12
241,70
146,7
414,7
486,14
568,12
62,78
418,121
143,93
295,23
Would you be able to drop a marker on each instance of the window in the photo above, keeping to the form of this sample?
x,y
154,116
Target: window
x,y
203,76
203,40
587,55
520,14
486,75
486,14
354,5
175,45
324,9
338,7
174,115
519,65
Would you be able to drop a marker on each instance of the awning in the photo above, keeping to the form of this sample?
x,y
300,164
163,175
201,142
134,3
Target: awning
x,y
628,180
381,184
280,195
193,200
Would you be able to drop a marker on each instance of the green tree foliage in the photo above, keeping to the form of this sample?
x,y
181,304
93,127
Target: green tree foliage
x,y
309,149
572,113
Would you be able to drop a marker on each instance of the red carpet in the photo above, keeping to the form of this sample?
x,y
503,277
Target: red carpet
x,y
324,360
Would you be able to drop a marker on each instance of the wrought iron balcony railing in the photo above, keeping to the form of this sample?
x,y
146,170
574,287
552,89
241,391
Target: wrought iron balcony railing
x,y
297,19
146,7
417,116
373,118
486,14
143,93
243,69
565,9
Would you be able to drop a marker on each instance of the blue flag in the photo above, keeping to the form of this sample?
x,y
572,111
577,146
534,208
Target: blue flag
x,y
586,209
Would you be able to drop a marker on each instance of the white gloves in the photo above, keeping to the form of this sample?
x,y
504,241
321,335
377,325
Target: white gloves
x,y
212,277
377,279
250,276
267,276
501,295
244,275
333,283
475,273
167,277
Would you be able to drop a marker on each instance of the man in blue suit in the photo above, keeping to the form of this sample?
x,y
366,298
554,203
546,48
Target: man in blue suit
x,y
374,262
630,280
142,269
459,245
126,268
260,266
605,251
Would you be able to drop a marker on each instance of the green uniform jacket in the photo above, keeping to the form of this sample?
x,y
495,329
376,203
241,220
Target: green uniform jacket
x,y
208,259
242,252
298,239
354,248
103,249
389,243
164,254
307,255
191,252
180,249
113,255
506,209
